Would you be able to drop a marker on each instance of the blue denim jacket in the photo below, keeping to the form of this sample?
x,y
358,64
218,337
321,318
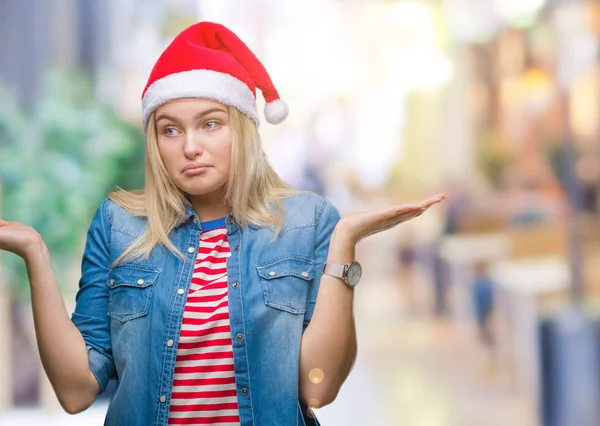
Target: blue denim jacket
x,y
128,313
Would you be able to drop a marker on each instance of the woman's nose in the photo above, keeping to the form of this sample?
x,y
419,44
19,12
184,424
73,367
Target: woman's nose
x,y
193,146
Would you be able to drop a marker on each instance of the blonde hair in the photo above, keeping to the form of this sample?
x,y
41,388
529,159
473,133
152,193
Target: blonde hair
x,y
253,192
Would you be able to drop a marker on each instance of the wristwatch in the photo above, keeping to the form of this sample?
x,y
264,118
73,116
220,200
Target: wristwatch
x,y
350,273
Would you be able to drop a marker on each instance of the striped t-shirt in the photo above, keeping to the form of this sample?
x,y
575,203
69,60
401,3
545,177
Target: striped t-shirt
x,y
204,390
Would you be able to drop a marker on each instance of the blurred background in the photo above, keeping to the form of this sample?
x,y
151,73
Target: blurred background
x,y
482,311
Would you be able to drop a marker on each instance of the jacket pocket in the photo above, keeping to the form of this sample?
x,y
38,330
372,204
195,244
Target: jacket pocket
x,y
130,291
285,282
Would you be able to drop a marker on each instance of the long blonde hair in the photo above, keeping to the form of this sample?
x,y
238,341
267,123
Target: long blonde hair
x,y
254,191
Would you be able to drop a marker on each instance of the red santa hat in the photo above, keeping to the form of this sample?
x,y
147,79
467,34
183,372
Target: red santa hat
x,y
209,61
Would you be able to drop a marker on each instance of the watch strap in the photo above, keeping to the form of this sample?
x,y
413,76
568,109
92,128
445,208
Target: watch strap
x,y
334,270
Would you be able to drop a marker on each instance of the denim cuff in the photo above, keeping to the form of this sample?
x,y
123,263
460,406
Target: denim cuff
x,y
101,366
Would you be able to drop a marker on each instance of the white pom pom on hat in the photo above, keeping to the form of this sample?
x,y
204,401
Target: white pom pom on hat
x,y
276,111
207,60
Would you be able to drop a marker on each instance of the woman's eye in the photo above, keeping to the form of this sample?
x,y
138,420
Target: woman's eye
x,y
170,131
212,124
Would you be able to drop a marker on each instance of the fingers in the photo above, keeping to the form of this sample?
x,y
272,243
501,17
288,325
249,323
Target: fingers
x,y
433,200
407,208
422,206
403,215
411,211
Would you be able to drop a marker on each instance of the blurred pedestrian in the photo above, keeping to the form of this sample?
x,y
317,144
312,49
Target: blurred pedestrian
x,y
407,253
482,297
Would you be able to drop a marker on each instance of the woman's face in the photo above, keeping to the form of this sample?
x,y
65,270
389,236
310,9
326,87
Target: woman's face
x,y
194,141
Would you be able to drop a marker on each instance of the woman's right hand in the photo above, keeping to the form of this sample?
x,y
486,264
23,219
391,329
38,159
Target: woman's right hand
x,y
18,238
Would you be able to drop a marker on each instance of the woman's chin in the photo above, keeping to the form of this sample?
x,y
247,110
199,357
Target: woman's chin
x,y
199,191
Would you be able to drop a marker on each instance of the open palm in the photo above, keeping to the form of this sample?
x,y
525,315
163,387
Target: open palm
x,y
17,237
360,225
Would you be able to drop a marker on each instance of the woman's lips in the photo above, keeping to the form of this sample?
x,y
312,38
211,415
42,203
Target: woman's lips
x,y
195,169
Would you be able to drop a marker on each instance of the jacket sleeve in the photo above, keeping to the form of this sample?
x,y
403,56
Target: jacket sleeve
x,y
327,216
91,309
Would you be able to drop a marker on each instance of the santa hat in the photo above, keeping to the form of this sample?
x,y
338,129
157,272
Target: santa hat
x,y
208,61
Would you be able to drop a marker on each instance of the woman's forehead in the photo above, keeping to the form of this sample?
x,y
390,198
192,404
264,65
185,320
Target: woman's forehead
x,y
191,105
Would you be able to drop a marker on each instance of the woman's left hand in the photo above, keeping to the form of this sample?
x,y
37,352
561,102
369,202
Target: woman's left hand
x,y
356,226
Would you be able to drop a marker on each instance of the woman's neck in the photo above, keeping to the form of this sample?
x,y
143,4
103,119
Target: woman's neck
x,y
209,207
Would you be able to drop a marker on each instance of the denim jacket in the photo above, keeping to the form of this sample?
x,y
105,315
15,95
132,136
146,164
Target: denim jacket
x,y
128,313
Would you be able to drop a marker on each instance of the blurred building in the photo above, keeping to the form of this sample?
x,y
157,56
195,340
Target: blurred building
x,y
114,41
40,35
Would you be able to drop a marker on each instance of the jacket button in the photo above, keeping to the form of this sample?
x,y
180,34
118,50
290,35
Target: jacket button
x,y
237,248
235,284
112,282
170,342
231,221
163,398
244,391
180,291
140,282
305,274
240,336
272,273
191,249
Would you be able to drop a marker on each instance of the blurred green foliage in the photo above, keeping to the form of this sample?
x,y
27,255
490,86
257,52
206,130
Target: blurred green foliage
x,y
57,163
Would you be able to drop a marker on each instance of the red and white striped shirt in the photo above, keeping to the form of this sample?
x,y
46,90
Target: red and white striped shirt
x,y
204,390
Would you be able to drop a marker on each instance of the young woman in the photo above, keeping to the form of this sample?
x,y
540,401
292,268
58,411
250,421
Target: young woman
x,y
218,294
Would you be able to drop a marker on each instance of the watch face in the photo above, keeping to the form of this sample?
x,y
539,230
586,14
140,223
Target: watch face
x,y
354,273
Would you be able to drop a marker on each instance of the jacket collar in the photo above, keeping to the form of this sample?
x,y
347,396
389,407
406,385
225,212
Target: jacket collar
x,y
230,222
